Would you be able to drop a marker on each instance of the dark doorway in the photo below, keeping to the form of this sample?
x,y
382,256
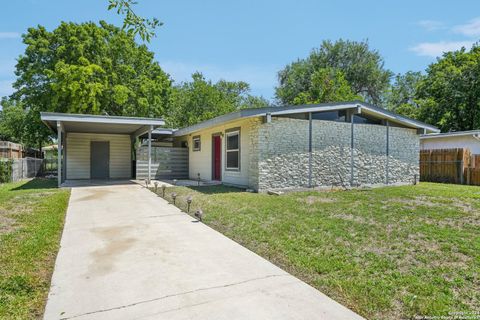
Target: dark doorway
x,y
217,157
99,159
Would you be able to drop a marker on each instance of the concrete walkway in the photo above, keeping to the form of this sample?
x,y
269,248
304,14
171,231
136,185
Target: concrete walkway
x,y
127,254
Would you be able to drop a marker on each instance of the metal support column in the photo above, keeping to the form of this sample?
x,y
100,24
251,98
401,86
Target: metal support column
x,y
352,146
387,169
59,150
150,154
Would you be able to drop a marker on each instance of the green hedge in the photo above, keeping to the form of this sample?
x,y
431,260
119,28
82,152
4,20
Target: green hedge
x,y
5,170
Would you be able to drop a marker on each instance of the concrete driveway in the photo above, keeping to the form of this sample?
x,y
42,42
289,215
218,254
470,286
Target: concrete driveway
x,y
127,254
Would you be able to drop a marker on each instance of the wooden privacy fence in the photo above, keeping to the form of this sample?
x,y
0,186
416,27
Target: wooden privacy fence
x,y
10,150
450,166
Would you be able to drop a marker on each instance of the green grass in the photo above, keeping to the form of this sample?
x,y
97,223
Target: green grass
x,y
31,222
386,253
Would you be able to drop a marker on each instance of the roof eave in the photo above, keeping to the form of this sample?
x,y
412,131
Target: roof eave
x,y
47,116
275,111
472,133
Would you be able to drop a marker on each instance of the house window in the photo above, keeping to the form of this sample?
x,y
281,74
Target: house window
x,y
365,119
196,144
233,150
336,115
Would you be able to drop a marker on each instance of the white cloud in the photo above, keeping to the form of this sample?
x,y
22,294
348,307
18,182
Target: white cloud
x,y
435,49
471,29
9,35
6,88
431,25
260,78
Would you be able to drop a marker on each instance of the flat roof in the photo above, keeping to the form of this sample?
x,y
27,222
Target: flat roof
x,y
451,134
100,124
275,111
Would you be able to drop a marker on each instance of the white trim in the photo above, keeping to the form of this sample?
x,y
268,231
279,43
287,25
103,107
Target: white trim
x,y
275,111
199,139
474,133
311,109
227,134
51,116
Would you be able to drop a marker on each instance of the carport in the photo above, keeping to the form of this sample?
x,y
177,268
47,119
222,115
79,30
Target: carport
x,y
98,147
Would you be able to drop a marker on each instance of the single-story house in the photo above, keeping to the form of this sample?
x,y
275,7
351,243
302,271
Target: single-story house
x,y
292,147
452,140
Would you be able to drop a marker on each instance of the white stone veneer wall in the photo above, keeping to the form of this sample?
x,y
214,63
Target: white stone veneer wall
x,y
282,153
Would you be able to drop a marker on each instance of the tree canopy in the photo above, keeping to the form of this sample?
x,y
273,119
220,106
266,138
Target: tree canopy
x,y
132,22
326,85
449,96
22,125
201,99
361,68
401,96
89,68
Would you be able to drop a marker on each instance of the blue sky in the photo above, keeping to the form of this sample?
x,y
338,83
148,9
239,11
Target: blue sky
x,y
252,40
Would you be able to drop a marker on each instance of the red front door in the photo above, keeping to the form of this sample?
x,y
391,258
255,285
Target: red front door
x,y
217,158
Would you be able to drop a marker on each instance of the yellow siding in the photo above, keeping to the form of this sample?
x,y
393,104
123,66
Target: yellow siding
x,y
78,154
201,161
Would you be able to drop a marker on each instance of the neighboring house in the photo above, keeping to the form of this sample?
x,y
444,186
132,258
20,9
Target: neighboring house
x,y
324,145
450,140
50,152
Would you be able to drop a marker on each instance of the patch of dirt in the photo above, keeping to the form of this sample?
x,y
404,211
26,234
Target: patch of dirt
x,y
455,223
464,206
7,224
455,260
432,202
313,199
415,202
354,218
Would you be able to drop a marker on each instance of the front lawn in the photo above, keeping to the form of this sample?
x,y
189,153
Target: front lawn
x,y
386,253
31,222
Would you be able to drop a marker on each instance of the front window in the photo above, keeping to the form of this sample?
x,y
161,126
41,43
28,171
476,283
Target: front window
x,y
196,143
233,150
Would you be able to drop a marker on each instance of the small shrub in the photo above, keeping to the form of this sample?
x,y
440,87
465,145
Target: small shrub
x,y
6,170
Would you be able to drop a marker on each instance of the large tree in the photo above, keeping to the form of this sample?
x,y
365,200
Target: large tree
x,y
361,67
326,85
401,96
132,22
90,68
201,99
22,125
449,96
